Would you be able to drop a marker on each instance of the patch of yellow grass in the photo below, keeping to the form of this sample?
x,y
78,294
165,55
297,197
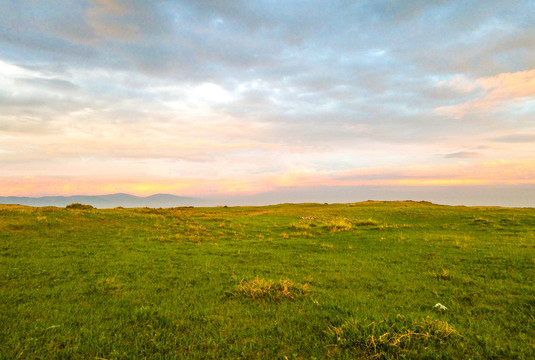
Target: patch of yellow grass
x,y
390,340
337,225
442,274
262,289
300,225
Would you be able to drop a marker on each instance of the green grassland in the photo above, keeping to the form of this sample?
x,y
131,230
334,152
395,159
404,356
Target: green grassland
x,y
276,282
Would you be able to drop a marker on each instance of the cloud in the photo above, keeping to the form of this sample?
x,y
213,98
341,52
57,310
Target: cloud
x,y
491,93
462,155
48,84
495,173
269,93
509,86
112,6
516,138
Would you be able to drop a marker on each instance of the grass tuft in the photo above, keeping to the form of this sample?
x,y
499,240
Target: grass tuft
x,y
337,225
442,274
366,222
300,225
392,338
262,289
480,221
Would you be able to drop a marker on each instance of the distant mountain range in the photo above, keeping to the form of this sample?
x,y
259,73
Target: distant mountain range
x,y
107,201
492,195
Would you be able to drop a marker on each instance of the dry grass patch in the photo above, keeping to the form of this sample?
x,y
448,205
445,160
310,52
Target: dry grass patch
x,y
304,234
301,225
394,338
262,289
366,222
337,225
109,286
442,274
345,224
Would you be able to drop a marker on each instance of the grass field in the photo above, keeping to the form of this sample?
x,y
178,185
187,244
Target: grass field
x,y
288,281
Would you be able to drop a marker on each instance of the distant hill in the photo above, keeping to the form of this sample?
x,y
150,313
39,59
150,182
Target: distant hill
x,y
492,195
106,201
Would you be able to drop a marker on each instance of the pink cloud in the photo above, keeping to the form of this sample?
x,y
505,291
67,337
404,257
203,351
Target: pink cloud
x,y
505,172
492,93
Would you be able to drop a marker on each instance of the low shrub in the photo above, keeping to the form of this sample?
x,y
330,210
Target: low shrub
x,y
78,206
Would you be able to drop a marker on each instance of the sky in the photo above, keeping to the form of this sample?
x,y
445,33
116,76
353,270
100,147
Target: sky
x,y
220,98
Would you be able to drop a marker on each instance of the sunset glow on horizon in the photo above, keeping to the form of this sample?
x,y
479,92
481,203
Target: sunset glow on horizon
x,y
215,98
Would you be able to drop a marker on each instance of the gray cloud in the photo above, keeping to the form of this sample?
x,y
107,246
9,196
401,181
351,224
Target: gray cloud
x,y
515,138
462,155
49,84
